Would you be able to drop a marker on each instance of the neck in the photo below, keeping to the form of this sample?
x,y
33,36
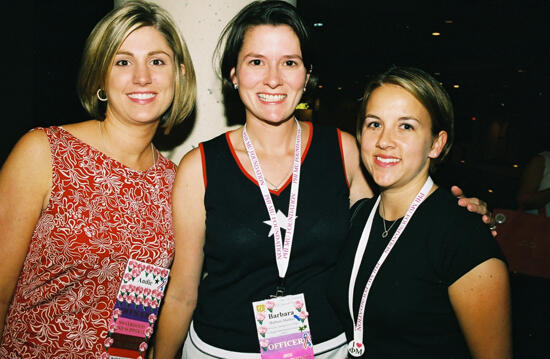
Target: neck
x,y
272,139
129,145
398,200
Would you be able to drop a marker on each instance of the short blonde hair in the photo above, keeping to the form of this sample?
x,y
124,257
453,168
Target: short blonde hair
x,y
105,40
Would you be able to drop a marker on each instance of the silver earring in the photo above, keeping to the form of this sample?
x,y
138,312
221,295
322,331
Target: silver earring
x,y
236,86
98,94
305,88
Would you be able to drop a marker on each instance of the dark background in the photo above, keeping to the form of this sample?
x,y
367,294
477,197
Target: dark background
x,y
497,51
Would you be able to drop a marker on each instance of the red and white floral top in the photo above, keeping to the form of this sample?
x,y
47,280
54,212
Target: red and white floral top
x,y
100,214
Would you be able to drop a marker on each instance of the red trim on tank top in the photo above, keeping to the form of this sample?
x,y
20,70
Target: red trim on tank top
x,y
342,154
251,178
201,148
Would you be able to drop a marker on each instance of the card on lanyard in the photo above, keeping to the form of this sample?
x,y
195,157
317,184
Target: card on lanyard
x,y
135,311
356,347
283,327
286,333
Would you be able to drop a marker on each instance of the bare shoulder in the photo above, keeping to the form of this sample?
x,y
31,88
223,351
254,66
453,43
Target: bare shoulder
x,y
32,150
190,170
359,187
192,160
26,175
349,144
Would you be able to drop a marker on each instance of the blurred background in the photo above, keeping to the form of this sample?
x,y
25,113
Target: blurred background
x,y
492,56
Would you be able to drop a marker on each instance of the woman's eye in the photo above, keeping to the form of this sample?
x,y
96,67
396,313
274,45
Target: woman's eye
x,y
290,63
256,62
157,62
407,126
122,63
373,124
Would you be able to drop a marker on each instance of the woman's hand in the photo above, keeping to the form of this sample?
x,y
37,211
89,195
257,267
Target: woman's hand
x,y
476,205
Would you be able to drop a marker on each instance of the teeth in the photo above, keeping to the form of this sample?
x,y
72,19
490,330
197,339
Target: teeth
x,y
387,160
142,96
271,98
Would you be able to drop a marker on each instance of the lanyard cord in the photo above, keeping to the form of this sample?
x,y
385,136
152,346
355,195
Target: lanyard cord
x,y
358,324
282,253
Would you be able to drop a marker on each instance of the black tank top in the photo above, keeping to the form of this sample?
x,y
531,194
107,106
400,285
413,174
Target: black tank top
x,y
240,255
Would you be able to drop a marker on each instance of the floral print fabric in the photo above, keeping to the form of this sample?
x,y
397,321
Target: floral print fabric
x,y
100,214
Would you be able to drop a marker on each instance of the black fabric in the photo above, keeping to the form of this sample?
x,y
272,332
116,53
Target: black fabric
x,y
408,313
240,257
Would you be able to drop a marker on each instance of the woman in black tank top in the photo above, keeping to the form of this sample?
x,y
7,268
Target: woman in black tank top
x,y
225,249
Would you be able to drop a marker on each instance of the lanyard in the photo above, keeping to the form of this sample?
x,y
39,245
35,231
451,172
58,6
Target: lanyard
x,y
356,347
282,255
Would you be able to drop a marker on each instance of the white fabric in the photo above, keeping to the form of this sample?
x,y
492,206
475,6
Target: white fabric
x,y
193,343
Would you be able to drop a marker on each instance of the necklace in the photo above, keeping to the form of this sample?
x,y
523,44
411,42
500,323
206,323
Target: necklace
x,y
276,187
386,231
105,147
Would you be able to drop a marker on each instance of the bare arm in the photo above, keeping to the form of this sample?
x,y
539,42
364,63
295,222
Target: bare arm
x,y
481,301
25,182
358,186
529,196
189,230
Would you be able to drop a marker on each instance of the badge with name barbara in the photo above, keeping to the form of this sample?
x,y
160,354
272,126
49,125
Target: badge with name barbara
x,y
283,328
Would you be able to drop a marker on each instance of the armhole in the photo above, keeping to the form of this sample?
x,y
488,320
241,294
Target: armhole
x,y
203,161
342,155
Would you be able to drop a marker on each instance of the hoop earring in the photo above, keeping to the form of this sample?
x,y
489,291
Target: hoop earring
x,y
98,94
236,86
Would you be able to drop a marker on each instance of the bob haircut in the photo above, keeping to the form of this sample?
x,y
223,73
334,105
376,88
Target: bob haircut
x,y
269,12
105,40
427,91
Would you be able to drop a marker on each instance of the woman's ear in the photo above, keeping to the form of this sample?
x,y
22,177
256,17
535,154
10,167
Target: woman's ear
x,y
437,145
182,68
233,75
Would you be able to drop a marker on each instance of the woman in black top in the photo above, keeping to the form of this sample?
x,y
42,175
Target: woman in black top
x,y
423,277
221,220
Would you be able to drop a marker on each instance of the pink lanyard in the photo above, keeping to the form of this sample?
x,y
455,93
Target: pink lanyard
x,y
356,347
282,255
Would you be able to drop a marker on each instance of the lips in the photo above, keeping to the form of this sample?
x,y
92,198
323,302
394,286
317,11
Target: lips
x,y
142,97
386,161
271,98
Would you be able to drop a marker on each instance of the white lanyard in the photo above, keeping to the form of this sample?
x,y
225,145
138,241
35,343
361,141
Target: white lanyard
x,y
356,347
282,255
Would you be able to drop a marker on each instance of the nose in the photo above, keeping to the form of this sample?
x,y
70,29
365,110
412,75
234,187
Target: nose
x,y
273,76
385,140
142,74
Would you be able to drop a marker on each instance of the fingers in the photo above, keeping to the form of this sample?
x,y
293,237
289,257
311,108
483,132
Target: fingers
x,y
457,192
489,219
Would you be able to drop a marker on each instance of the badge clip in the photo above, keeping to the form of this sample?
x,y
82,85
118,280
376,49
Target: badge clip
x,y
280,291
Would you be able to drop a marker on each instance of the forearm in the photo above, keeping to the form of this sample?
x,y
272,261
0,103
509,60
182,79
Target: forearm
x,y
173,326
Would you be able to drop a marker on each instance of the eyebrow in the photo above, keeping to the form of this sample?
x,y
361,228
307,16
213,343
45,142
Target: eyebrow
x,y
403,118
151,53
252,54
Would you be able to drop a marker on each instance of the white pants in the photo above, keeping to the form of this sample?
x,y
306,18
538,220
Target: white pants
x,y
190,351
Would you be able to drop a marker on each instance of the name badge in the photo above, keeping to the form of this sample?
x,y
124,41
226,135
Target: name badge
x,y
283,328
135,311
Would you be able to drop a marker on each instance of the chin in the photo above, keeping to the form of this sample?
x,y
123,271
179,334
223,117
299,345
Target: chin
x,y
384,181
